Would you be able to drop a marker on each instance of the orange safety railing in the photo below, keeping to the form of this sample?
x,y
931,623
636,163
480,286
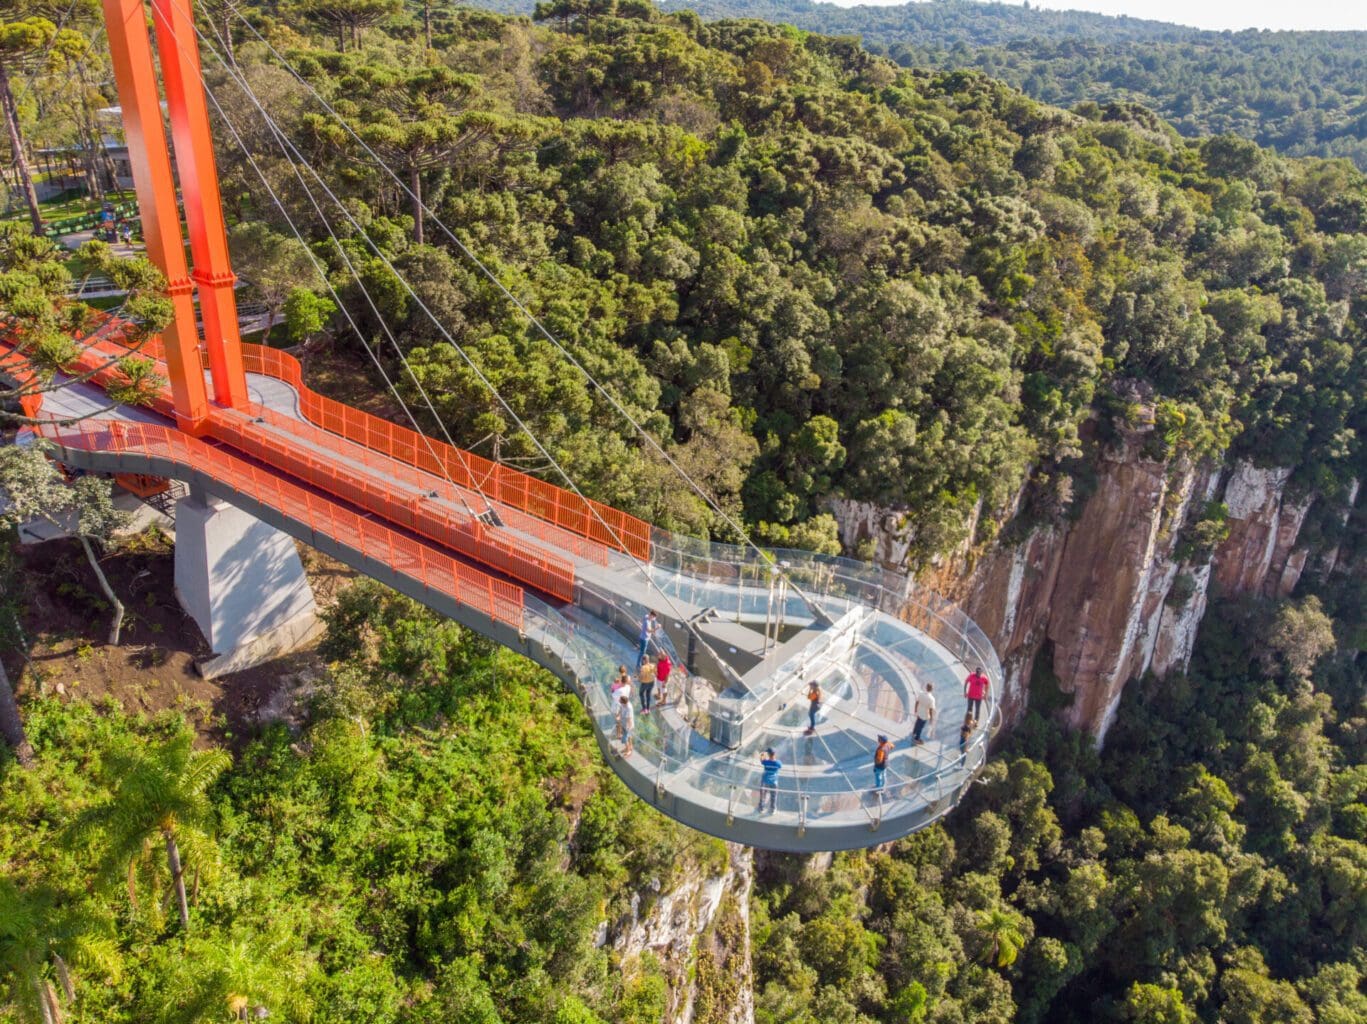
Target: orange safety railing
x,y
405,473
498,599
400,456
579,530
456,530
15,367
374,491
594,520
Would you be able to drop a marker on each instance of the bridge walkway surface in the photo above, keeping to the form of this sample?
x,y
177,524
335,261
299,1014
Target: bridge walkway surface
x,y
566,582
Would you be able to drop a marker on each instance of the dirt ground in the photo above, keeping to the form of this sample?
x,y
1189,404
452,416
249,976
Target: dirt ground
x,y
67,621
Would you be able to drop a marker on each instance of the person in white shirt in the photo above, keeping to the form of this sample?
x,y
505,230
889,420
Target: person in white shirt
x,y
925,712
626,723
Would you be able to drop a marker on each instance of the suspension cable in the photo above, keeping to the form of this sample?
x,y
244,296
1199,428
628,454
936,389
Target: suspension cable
x,y
737,528
490,514
522,425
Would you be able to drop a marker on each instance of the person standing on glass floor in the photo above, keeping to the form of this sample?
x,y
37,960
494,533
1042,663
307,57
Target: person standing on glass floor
x,y
768,782
976,688
650,625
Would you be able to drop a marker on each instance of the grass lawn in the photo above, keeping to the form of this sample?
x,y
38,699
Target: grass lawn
x,y
62,209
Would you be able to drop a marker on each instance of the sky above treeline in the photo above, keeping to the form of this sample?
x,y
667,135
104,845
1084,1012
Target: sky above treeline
x,y
1214,14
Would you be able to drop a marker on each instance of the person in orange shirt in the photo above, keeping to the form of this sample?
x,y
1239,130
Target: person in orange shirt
x,y
880,761
814,705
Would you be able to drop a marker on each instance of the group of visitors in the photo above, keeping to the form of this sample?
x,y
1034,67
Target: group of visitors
x,y
650,673
653,672
976,688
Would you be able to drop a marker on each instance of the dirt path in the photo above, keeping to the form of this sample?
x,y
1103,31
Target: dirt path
x,y
67,622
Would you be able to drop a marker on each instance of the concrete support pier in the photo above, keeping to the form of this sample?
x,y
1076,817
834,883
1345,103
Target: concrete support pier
x,y
243,584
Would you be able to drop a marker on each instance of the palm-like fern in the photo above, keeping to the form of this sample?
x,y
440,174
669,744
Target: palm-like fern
x,y
42,937
161,793
1002,931
237,973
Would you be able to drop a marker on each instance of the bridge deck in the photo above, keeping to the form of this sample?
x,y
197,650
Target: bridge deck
x,y
282,466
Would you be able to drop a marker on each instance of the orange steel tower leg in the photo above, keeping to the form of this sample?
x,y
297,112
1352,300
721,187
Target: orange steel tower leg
x,y
131,51
194,150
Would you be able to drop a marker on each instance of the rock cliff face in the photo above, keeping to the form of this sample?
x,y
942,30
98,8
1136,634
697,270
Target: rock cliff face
x,y
1109,591
699,931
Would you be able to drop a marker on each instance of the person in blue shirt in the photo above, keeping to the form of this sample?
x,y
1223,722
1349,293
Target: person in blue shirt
x,y
649,625
768,783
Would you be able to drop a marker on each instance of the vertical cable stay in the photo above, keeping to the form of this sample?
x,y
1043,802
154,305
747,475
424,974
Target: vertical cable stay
x,y
287,146
489,517
532,319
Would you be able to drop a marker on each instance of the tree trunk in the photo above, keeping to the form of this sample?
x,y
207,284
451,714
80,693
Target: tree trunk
x,y
94,188
341,37
11,725
45,1000
117,624
228,50
427,22
178,880
64,977
16,142
415,183
92,142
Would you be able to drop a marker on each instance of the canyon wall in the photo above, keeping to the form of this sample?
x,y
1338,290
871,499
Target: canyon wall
x,y
698,929
1113,591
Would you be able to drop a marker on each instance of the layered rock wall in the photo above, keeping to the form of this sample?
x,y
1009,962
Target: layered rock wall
x,y
699,930
1109,589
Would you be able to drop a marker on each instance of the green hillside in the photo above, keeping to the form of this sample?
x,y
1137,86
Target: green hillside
x,y
1302,92
810,274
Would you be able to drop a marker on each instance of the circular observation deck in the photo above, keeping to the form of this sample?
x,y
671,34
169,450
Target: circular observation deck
x,y
872,640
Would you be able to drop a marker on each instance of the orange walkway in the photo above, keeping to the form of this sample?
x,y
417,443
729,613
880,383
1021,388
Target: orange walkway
x,y
393,472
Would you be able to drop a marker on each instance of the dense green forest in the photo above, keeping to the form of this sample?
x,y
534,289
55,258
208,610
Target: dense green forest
x,y
810,272
440,843
1210,865
806,271
1302,92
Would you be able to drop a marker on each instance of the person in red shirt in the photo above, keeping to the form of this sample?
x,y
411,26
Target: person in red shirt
x,y
662,669
975,689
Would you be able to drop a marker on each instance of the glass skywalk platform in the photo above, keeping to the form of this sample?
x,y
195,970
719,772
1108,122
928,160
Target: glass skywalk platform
x,y
749,632
872,640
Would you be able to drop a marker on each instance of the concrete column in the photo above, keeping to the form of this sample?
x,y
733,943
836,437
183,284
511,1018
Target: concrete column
x,y
243,584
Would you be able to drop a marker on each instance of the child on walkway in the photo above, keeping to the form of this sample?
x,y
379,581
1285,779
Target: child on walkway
x,y
880,761
626,723
965,733
620,685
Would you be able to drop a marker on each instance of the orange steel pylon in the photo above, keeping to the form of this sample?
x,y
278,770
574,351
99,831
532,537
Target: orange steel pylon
x,y
135,75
